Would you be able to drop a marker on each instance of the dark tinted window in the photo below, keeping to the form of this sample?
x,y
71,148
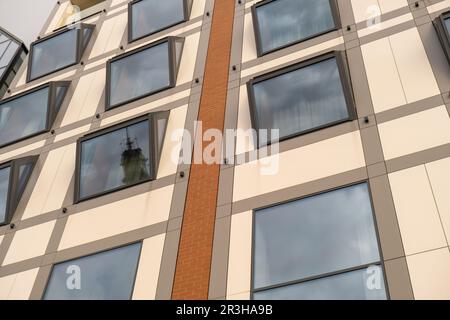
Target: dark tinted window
x,y
315,236
300,100
115,159
447,25
108,275
150,16
54,54
24,116
283,22
4,185
139,74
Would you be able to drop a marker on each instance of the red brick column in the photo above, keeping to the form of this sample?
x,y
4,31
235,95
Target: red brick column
x,y
195,249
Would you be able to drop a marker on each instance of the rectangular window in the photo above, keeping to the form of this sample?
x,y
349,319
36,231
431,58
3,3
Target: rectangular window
x,y
281,23
442,25
302,98
30,113
14,176
143,72
147,17
108,275
119,157
320,247
58,51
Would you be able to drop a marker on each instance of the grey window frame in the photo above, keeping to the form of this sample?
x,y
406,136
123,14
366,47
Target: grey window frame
x,y
380,263
173,70
344,73
13,197
99,252
443,33
79,47
15,63
336,18
187,9
51,106
154,146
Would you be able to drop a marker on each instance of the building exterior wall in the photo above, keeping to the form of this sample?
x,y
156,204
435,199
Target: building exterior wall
x,y
196,222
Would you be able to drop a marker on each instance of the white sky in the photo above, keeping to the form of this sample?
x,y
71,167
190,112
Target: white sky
x,y
25,18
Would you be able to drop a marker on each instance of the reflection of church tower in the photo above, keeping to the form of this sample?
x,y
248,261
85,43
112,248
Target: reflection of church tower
x,y
133,162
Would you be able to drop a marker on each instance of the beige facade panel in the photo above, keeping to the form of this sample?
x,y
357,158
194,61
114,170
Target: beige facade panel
x,y
110,35
41,81
315,49
383,25
368,9
17,152
249,45
442,5
398,70
417,213
148,269
413,66
134,112
62,11
187,64
244,137
384,81
17,286
117,217
198,8
414,133
240,255
326,158
86,97
53,182
29,243
168,163
439,175
118,2
430,276
72,133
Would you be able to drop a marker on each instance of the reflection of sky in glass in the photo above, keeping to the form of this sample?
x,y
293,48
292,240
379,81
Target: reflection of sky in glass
x,y
23,116
447,25
346,286
4,183
302,99
105,276
140,74
283,22
325,233
101,158
54,53
153,15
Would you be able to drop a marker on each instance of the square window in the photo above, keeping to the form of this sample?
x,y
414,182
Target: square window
x,y
148,17
143,72
119,157
333,248
108,275
58,51
281,23
14,176
30,113
302,98
442,25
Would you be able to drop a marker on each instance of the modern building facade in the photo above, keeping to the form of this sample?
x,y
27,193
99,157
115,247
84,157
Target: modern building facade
x,y
103,197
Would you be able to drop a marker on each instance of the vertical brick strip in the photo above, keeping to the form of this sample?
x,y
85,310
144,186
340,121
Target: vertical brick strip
x,y
195,249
